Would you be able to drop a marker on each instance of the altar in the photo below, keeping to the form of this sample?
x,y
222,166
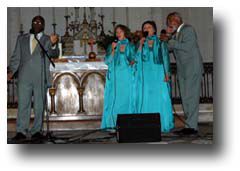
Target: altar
x,y
77,91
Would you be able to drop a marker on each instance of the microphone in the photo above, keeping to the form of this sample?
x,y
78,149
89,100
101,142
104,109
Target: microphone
x,y
163,31
145,34
115,41
31,31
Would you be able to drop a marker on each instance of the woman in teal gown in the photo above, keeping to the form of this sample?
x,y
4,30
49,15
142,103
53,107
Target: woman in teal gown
x,y
119,94
153,77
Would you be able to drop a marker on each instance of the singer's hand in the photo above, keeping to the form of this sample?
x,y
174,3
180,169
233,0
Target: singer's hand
x,y
164,38
142,41
9,76
132,63
114,44
54,39
167,78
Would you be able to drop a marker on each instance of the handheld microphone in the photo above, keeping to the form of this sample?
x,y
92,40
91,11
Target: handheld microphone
x,y
31,31
115,41
163,31
145,34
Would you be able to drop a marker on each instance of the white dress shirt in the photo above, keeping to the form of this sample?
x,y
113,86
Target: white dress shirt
x,y
39,35
179,28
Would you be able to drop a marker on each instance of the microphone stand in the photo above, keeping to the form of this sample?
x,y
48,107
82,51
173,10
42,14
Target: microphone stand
x,y
48,136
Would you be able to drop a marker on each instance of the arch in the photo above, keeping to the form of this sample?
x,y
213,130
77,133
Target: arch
x,y
58,76
87,74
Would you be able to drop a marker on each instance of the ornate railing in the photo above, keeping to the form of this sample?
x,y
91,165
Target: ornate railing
x,y
12,101
206,95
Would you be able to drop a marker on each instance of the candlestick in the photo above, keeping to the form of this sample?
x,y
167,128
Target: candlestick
x,y
21,29
67,26
114,24
54,28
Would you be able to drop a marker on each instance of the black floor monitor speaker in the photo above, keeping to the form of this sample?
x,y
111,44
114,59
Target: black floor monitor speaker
x,y
132,128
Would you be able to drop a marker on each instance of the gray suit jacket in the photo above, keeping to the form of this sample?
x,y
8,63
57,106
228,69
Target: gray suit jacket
x,y
186,50
30,65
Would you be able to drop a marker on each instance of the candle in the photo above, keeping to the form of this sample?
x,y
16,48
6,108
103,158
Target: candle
x,y
151,13
53,15
127,19
20,20
20,16
39,11
76,13
66,11
113,13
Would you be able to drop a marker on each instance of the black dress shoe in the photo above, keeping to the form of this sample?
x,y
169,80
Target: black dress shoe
x,y
19,137
187,131
37,136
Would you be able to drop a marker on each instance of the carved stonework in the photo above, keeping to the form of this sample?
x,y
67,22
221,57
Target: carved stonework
x,y
78,93
78,43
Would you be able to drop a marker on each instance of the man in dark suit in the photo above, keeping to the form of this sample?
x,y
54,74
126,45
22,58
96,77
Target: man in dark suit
x,y
28,59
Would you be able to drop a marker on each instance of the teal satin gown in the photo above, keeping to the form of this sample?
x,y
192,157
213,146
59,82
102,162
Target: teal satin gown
x,y
119,94
153,92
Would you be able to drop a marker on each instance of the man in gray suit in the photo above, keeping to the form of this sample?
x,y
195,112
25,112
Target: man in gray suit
x,y
183,42
28,59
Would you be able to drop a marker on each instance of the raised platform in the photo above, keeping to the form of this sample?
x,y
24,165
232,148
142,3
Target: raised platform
x,y
205,136
93,122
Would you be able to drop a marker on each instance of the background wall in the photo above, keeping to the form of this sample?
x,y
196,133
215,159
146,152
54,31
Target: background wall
x,y
200,18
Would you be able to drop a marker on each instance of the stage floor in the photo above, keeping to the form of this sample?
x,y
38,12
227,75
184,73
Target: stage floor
x,y
205,136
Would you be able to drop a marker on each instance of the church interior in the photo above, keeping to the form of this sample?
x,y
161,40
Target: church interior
x,y
75,99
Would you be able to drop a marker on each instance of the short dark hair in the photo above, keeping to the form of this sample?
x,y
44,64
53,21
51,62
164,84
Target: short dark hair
x,y
174,14
125,29
152,23
40,18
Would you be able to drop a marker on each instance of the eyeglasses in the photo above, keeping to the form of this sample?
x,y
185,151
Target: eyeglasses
x,y
37,23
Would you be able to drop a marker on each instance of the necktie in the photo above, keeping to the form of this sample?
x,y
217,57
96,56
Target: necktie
x,y
34,44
